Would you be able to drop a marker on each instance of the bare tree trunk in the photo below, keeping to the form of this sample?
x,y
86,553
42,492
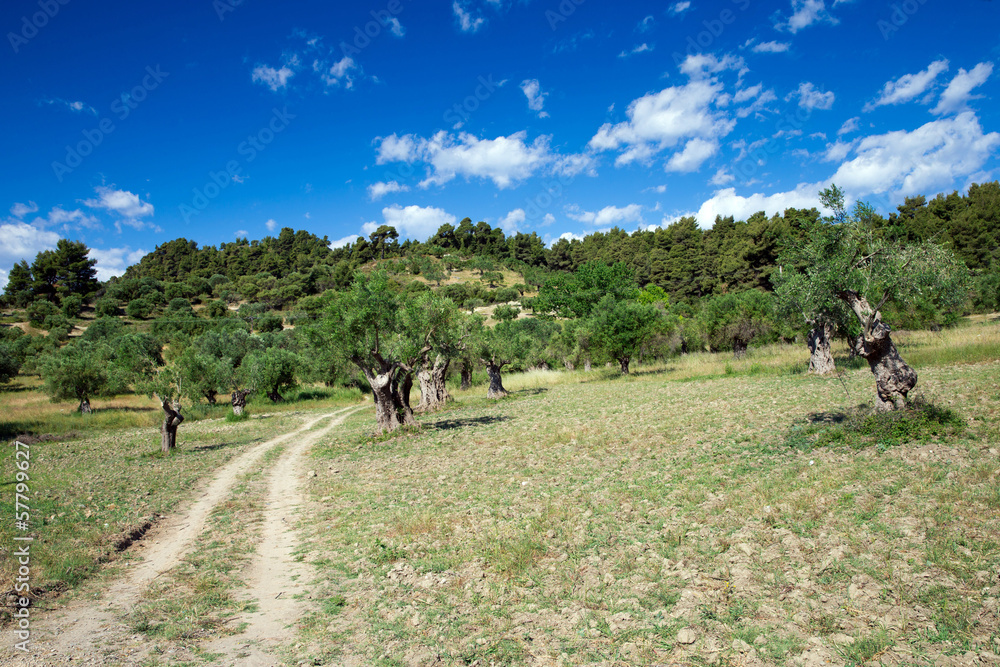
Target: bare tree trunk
x,y
740,347
466,374
85,406
821,358
568,364
586,364
893,378
239,399
386,416
401,386
210,396
433,390
496,389
168,432
624,362
274,395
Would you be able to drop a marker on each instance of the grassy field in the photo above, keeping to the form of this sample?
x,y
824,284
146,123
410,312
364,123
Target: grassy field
x,y
679,515
703,511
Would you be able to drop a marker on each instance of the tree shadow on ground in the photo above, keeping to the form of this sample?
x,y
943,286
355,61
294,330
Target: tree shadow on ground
x,y
531,391
124,408
826,417
448,424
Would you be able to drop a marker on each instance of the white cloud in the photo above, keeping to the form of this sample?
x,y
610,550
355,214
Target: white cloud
x,y
726,202
340,73
346,241
837,151
607,216
659,121
639,48
19,210
930,157
395,27
274,79
241,233
123,203
646,24
69,220
271,225
680,7
113,261
957,94
763,97
722,177
466,22
510,223
768,47
504,160
536,98
693,156
569,236
701,65
746,94
804,14
908,86
811,97
414,222
23,241
850,125
76,106
379,190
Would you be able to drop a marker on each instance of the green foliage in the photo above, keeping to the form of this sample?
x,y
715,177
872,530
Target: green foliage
x,y
139,309
43,313
619,329
54,275
270,370
732,321
10,363
72,304
920,421
77,371
217,308
505,313
577,295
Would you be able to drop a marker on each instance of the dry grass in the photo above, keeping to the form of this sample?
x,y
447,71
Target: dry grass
x,y
589,518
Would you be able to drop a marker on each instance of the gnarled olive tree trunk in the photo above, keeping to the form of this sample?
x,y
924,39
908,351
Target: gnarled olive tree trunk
x,y
171,420
624,362
820,355
495,389
402,383
85,406
433,390
893,378
386,416
239,400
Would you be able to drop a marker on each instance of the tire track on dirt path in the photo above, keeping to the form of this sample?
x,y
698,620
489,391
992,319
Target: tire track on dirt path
x,y
275,578
85,630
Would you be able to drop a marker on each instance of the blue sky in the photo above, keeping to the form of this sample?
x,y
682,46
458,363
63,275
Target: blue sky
x,y
130,124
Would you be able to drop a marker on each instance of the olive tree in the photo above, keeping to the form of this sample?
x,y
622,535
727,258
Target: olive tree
x,y
858,263
620,328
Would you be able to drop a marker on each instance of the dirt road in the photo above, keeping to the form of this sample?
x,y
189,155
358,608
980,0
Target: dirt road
x,y
88,632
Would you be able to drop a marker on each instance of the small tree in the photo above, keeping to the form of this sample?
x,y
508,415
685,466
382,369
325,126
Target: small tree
x,y
620,328
734,320
504,344
271,370
863,267
77,371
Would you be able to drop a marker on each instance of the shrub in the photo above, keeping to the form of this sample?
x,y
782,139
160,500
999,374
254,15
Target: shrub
x,y
139,309
107,307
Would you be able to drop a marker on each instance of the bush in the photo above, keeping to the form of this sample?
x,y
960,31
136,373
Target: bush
x,y
107,308
217,308
180,306
139,309
41,310
72,304
268,323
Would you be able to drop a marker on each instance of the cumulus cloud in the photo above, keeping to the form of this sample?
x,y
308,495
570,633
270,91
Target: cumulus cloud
x,y
275,79
639,48
504,160
850,125
532,89
379,190
607,216
271,225
510,223
722,177
726,202
702,65
805,13
123,203
930,157
413,222
811,97
767,47
19,210
22,241
346,241
340,73
466,21
664,120
112,262
693,156
680,7
958,93
908,86
646,24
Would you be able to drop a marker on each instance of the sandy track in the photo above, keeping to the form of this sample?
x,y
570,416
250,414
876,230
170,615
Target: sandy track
x,y
89,632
